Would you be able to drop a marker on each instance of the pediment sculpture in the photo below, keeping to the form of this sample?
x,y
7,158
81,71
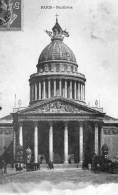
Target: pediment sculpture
x,y
58,107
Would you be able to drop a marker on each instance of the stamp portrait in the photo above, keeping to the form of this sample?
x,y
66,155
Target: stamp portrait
x,y
10,15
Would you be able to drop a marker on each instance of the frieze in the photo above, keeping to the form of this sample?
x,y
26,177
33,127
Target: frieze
x,y
58,107
5,131
112,131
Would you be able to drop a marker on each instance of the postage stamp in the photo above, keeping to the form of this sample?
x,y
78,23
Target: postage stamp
x,y
10,15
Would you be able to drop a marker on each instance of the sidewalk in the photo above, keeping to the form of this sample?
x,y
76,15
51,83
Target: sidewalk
x,y
11,171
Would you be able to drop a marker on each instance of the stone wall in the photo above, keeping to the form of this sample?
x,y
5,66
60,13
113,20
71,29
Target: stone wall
x,y
6,138
111,139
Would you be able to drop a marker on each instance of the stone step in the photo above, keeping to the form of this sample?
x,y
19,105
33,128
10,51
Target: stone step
x,y
73,165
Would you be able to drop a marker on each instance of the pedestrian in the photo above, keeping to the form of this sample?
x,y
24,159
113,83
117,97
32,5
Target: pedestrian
x,y
50,165
4,167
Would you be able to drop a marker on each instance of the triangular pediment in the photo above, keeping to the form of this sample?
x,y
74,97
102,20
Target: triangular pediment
x,y
59,106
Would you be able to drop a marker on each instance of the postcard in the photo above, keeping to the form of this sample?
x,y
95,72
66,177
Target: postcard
x,y
58,97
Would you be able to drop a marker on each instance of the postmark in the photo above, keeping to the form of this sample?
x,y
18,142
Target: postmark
x,y
10,15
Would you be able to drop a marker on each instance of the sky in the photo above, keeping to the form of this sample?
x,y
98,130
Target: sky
x,y
93,29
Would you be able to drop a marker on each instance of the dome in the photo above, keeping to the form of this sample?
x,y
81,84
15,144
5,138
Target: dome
x,y
57,51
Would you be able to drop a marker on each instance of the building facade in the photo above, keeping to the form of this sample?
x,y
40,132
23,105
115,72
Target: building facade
x,y
6,138
58,124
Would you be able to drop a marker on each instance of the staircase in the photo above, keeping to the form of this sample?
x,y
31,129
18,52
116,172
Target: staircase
x,y
57,166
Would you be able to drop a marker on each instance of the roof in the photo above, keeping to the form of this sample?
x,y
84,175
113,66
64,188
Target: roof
x,y
110,120
57,50
8,119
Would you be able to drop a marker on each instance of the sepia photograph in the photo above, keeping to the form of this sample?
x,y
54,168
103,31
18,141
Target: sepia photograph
x,y
58,97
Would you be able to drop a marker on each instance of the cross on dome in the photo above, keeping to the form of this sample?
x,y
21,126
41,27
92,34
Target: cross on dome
x,y
56,18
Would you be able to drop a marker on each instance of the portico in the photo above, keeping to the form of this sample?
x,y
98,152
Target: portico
x,y
62,134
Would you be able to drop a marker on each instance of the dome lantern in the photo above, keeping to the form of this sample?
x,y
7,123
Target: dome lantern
x,y
57,32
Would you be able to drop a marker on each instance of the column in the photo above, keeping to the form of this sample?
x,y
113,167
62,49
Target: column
x,y
55,88
49,89
30,92
70,89
39,90
84,91
36,142
60,88
14,144
3,141
21,134
35,91
51,142
44,92
81,142
65,89
101,137
66,144
96,138
75,90
79,91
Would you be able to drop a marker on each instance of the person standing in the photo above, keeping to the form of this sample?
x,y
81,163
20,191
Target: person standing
x,y
4,167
